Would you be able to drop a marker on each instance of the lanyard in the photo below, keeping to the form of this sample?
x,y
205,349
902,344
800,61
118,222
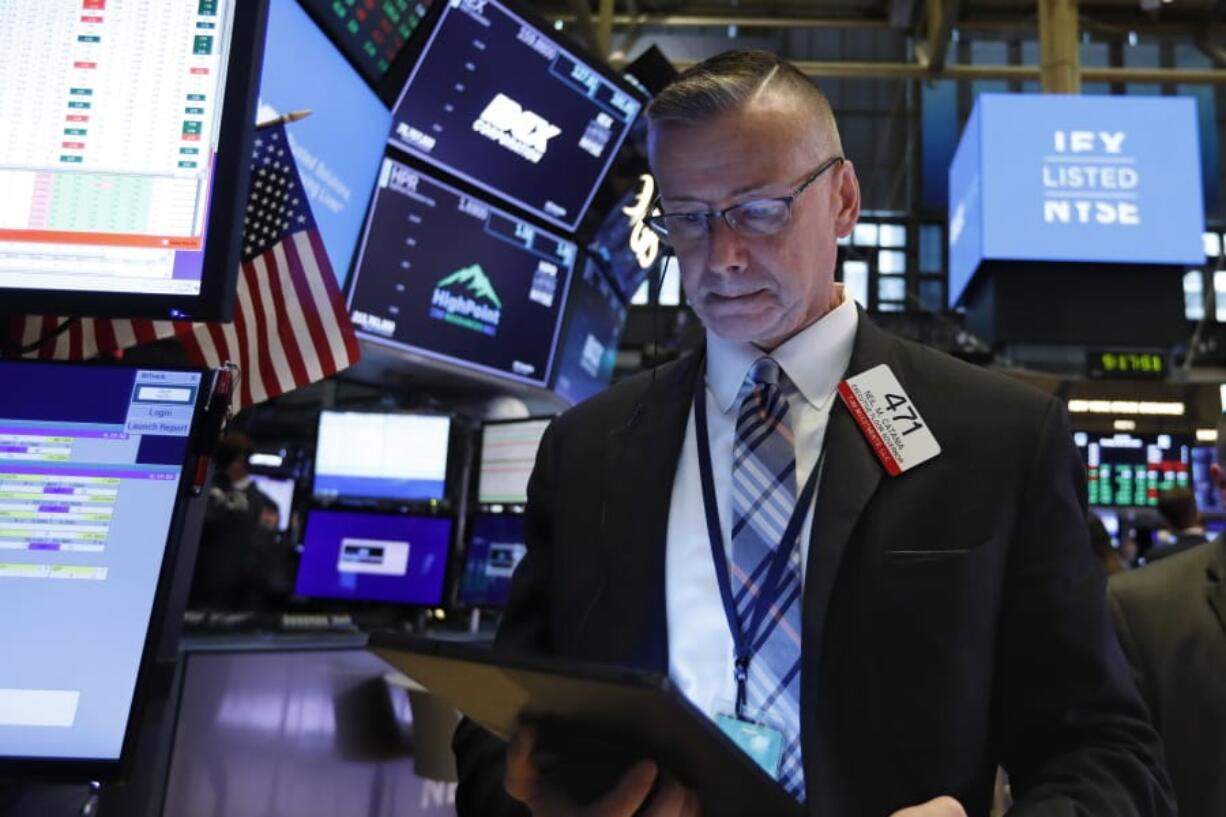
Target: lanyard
x,y
742,638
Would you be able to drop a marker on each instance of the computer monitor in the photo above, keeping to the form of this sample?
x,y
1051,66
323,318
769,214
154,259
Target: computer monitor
x,y
374,557
456,279
281,492
371,34
495,546
124,155
626,248
364,456
500,100
1111,523
89,490
508,452
595,317
339,146
1208,495
1127,470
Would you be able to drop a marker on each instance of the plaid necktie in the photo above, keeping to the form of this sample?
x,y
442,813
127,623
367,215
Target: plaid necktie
x,y
764,496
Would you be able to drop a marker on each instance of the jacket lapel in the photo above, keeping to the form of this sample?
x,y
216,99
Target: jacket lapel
x,y
1215,588
640,463
850,476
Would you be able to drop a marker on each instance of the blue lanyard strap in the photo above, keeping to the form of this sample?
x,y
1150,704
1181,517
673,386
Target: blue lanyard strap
x,y
743,638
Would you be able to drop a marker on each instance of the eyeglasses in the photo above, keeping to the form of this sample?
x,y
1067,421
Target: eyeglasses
x,y
756,217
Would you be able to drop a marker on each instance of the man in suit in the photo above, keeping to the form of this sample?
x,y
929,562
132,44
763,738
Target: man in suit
x,y
1171,619
922,628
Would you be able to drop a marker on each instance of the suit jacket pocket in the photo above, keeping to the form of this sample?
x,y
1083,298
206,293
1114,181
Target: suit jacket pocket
x,y
902,556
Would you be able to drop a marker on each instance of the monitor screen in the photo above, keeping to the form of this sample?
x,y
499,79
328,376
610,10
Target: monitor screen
x,y
88,489
1208,495
393,457
126,144
495,546
338,147
508,452
502,103
1127,470
374,557
627,248
595,316
281,492
459,280
372,33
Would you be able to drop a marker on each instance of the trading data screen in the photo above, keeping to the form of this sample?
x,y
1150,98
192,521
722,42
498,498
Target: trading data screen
x,y
374,557
1130,471
503,105
595,316
111,113
447,275
87,494
508,452
495,546
371,32
396,457
338,147
628,249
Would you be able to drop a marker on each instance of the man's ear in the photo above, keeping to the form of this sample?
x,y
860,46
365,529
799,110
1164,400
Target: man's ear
x,y
847,199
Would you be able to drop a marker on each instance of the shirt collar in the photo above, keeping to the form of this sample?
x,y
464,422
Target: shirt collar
x,y
814,359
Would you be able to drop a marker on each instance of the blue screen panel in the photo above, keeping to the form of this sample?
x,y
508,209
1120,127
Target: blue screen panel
x,y
595,316
495,547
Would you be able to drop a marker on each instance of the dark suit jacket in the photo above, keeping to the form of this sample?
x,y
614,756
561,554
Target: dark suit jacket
x,y
1171,618
954,616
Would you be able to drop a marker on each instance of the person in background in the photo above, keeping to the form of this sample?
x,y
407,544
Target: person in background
x,y
1179,511
1171,621
238,535
1100,540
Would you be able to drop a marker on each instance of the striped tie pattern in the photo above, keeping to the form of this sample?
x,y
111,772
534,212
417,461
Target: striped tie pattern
x,y
764,497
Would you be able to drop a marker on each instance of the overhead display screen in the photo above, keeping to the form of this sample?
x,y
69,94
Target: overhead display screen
x,y
451,277
372,33
1094,179
1129,470
595,316
502,104
339,146
627,248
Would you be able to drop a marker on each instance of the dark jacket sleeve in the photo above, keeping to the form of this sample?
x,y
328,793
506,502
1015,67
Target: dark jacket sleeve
x,y
480,756
1076,739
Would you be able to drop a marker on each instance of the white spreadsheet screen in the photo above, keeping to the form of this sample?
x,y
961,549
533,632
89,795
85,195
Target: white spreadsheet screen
x,y
111,111
508,452
381,456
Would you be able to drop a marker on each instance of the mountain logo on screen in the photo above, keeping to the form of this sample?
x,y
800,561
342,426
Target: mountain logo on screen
x,y
464,298
520,131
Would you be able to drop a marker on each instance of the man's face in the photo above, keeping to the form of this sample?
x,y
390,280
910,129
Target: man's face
x,y
760,289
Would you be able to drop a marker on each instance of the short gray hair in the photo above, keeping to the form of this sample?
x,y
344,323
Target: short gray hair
x,y
733,79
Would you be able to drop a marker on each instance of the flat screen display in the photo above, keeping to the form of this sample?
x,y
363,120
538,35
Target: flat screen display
x,y
495,546
503,104
627,248
391,457
127,129
1126,470
88,490
374,557
595,317
1208,496
508,453
457,279
281,492
372,33
339,146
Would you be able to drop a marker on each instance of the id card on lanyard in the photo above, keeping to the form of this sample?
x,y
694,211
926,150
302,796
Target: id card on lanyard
x,y
763,742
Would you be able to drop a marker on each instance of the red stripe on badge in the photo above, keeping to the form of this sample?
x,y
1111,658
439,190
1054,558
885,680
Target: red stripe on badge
x,y
869,430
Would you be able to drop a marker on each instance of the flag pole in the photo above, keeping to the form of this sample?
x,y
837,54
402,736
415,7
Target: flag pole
x,y
285,119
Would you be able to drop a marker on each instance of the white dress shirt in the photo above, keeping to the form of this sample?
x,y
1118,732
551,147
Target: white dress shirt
x,y
699,642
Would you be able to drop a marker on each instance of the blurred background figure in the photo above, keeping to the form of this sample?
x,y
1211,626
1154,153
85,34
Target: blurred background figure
x,y
1100,540
237,556
1182,518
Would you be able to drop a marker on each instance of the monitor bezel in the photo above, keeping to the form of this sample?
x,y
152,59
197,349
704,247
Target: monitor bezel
x,y
231,176
53,769
411,57
365,603
384,504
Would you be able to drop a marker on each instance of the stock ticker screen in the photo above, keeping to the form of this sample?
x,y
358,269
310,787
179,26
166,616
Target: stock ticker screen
x,y
1126,470
372,33
595,316
500,103
448,276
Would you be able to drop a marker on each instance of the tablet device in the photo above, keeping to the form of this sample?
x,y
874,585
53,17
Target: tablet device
x,y
630,713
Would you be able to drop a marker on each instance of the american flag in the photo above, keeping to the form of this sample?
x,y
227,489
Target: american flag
x,y
290,325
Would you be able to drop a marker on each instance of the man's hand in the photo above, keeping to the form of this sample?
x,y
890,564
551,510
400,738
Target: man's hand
x,y
524,782
940,807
